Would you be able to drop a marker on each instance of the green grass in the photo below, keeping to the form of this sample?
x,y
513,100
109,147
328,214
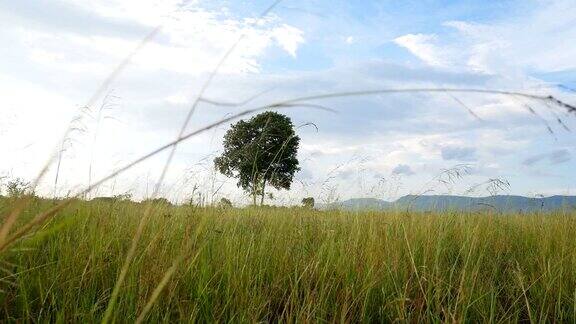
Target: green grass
x,y
280,264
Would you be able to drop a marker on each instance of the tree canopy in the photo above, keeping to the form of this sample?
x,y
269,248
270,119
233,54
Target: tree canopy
x,y
260,151
308,202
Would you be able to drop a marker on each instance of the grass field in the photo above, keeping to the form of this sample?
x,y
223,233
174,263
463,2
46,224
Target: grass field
x,y
271,264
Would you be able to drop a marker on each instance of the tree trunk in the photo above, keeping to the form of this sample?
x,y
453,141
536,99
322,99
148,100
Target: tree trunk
x,y
263,192
254,189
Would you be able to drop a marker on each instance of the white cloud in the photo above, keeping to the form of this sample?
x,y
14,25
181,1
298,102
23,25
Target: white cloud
x,y
192,41
289,38
423,46
177,99
533,41
148,12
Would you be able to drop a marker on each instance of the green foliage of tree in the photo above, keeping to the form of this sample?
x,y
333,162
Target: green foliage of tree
x,y
261,151
17,188
158,201
308,202
125,197
225,203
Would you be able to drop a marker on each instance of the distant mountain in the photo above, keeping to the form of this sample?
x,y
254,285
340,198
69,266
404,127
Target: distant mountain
x,y
502,203
360,204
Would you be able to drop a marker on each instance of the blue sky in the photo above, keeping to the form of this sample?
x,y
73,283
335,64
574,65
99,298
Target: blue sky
x,y
57,52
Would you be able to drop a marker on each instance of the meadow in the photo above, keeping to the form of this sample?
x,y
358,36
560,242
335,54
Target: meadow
x,y
272,264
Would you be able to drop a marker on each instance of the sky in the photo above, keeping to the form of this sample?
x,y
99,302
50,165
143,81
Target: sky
x,y
56,54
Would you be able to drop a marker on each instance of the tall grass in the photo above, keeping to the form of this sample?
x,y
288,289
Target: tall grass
x,y
291,264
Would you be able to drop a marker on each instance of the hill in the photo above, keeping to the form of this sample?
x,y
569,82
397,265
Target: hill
x,y
359,204
501,203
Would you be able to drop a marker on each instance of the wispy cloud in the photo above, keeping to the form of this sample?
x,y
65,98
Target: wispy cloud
x,y
555,157
532,40
403,169
424,47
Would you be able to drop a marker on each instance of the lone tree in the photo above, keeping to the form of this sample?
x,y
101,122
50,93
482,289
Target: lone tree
x,y
308,202
260,151
225,203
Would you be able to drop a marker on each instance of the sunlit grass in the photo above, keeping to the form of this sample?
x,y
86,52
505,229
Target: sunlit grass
x,y
292,264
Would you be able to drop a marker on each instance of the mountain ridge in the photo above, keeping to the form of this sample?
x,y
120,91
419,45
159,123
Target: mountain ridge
x,y
503,203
